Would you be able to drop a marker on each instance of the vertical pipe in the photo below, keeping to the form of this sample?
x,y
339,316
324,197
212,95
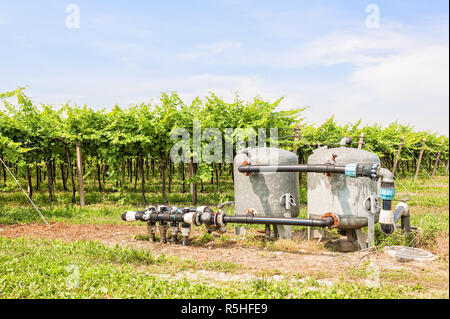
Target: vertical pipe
x,y
151,226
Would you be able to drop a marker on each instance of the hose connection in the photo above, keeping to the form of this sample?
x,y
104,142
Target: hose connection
x,y
335,219
387,194
246,163
362,170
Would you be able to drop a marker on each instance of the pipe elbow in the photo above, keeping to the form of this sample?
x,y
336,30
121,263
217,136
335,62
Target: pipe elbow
x,y
402,213
386,175
401,210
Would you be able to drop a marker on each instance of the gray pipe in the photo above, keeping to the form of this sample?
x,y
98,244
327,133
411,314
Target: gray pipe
x,y
324,168
386,175
402,211
351,170
387,193
208,217
266,220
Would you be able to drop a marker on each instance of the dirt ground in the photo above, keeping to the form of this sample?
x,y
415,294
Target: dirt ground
x,y
307,262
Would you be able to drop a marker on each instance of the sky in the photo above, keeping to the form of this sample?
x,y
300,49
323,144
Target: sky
x,y
379,61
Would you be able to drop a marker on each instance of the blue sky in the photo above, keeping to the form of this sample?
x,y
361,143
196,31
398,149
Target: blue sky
x,y
319,54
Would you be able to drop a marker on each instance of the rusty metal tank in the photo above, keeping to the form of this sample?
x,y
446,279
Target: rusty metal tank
x,y
269,193
341,195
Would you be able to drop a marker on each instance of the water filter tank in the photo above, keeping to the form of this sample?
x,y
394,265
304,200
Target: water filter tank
x,y
269,193
339,194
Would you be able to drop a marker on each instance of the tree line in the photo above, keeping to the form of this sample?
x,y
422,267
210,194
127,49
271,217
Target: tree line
x,y
127,146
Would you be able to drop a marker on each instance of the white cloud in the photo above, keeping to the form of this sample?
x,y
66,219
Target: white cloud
x,y
411,88
339,47
395,76
422,73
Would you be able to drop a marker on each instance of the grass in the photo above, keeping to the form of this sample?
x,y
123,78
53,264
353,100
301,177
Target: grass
x,y
43,269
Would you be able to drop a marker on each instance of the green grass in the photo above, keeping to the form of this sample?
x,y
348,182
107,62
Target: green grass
x,y
38,269
429,206
424,192
48,269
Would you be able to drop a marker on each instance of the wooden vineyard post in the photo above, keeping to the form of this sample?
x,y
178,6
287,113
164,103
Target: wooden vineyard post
x,y
69,162
193,185
420,159
80,173
436,164
397,157
361,141
296,138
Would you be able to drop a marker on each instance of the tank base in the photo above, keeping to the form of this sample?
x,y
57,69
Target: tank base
x,y
342,245
357,237
352,240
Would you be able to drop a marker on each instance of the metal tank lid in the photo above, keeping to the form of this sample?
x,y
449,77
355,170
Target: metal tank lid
x,y
268,156
344,155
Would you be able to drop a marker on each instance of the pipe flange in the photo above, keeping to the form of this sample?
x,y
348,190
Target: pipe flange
x,y
196,216
246,163
374,172
219,219
335,220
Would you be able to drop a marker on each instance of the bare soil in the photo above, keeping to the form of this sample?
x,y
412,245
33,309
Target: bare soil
x,y
320,263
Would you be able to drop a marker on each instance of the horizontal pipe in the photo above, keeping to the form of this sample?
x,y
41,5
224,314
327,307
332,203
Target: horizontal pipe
x,y
306,168
238,219
248,219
